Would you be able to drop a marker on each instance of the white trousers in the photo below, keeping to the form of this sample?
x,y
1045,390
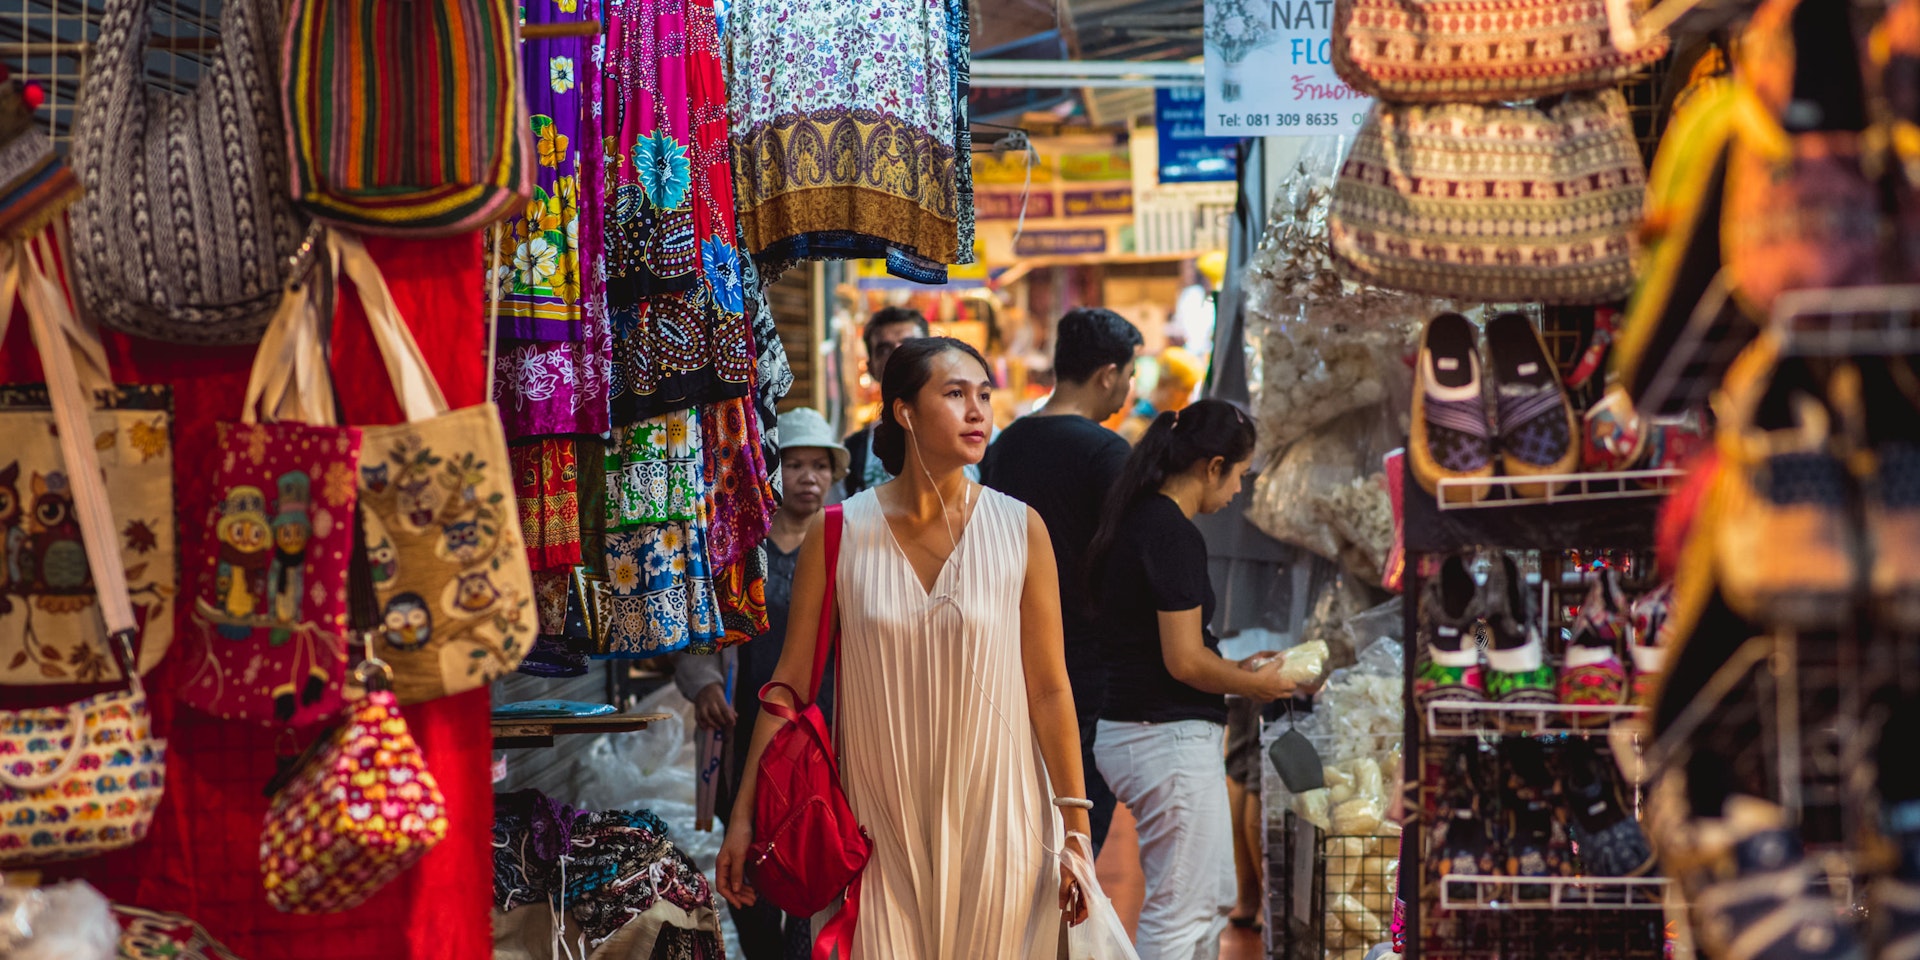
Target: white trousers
x,y
1173,777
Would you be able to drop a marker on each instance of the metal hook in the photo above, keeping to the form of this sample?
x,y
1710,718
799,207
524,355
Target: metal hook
x,y
370,668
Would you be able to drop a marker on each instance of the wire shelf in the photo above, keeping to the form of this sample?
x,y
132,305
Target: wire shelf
x,y
1454,718
1849,322
1576,488
1473,892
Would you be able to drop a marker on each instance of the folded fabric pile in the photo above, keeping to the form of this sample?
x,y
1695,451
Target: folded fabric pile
x,y
613,875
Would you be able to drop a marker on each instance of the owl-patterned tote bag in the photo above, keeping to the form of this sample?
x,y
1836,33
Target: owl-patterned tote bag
x,y
447,555
85,778
51,625
269,631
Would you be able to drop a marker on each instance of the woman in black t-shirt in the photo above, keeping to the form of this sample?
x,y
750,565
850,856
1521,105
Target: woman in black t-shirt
x,y
1162,728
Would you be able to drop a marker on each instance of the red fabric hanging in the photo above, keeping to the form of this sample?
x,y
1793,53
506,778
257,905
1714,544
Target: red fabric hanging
x,y
202,858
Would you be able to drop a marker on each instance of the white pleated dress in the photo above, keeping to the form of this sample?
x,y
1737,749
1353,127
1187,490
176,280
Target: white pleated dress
x,y
938,756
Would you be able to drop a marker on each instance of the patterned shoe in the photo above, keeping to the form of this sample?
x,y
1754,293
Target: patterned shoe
x,y
1537,427
1518,672
1450,435
1609,839
1449,606
1651,624
1592,677
1786,549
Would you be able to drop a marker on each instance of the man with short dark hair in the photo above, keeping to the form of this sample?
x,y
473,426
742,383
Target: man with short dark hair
x,y
1061,462
885,331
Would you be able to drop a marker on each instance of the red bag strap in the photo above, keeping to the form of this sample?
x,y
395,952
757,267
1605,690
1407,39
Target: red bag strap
x,y
825,640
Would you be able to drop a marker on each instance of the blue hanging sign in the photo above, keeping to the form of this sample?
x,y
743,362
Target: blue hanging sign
x,y
1187,154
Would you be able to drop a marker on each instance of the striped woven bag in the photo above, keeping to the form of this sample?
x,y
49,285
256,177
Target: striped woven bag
x,y
406,118
1492,202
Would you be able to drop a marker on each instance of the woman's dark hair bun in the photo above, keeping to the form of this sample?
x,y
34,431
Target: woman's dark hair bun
x,y
908,370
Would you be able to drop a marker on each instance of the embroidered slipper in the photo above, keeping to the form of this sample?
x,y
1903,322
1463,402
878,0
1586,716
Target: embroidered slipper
x,y
1450,437
1536,424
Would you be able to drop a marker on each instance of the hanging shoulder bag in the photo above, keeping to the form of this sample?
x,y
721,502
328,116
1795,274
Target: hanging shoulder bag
x,y
360,811
85,778
407,119
444,547
186,228
268,642
1472,50
1491,202
807,846
51,625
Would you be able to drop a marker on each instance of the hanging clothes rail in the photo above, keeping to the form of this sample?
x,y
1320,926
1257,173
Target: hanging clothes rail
x,y
549,31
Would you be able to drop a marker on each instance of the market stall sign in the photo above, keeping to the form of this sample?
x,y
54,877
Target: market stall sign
x,y
1270,72
1187,154
1002,204
1111,202
1048,243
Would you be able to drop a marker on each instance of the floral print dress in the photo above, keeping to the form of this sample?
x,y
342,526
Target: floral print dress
x,y
675,291
552,364
850,131
553,357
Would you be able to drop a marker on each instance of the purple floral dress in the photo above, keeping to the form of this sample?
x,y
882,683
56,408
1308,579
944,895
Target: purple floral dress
x,y
552,364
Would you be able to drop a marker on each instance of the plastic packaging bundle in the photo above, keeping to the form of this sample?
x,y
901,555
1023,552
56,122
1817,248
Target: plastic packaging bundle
x,y
67,921
1318,346
1327,495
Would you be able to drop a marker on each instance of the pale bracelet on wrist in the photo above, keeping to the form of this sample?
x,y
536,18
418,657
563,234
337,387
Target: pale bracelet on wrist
x,y
1074,802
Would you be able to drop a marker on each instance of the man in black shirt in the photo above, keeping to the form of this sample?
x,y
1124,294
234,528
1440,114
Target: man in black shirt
x,y
885,331
1061,462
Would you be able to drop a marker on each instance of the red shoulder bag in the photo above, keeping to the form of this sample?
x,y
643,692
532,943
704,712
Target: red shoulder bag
x,y
807,848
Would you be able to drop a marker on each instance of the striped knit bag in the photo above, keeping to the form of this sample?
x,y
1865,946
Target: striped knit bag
x,y
185,230
1504,204
406,119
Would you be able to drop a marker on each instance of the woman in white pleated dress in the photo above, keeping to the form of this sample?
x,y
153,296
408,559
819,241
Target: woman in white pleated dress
x,y
959,748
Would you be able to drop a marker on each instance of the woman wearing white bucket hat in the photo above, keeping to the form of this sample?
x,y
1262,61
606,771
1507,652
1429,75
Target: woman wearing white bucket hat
x,y
812,460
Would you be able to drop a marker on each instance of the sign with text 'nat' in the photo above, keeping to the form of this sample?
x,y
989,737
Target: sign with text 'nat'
x,y
1269,71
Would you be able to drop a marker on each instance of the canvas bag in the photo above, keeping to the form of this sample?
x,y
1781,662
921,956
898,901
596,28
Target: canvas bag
x,y
443,539
268,642
186,227
352,67
1472,50
1420,207
85,778
363,810
51,626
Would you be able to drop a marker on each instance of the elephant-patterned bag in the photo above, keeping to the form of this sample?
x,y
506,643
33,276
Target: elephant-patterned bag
x,y
444,544
270,635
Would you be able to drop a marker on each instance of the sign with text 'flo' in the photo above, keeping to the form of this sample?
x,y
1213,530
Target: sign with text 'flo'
x,y
1269,71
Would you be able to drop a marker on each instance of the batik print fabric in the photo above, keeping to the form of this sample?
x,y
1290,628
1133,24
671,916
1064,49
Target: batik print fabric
x,y
739,501
675,291
655,471
554,357
847,133
662,598
742,589
545,482
661,587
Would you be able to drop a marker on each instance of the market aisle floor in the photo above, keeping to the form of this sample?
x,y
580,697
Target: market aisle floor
x,y
1120,877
